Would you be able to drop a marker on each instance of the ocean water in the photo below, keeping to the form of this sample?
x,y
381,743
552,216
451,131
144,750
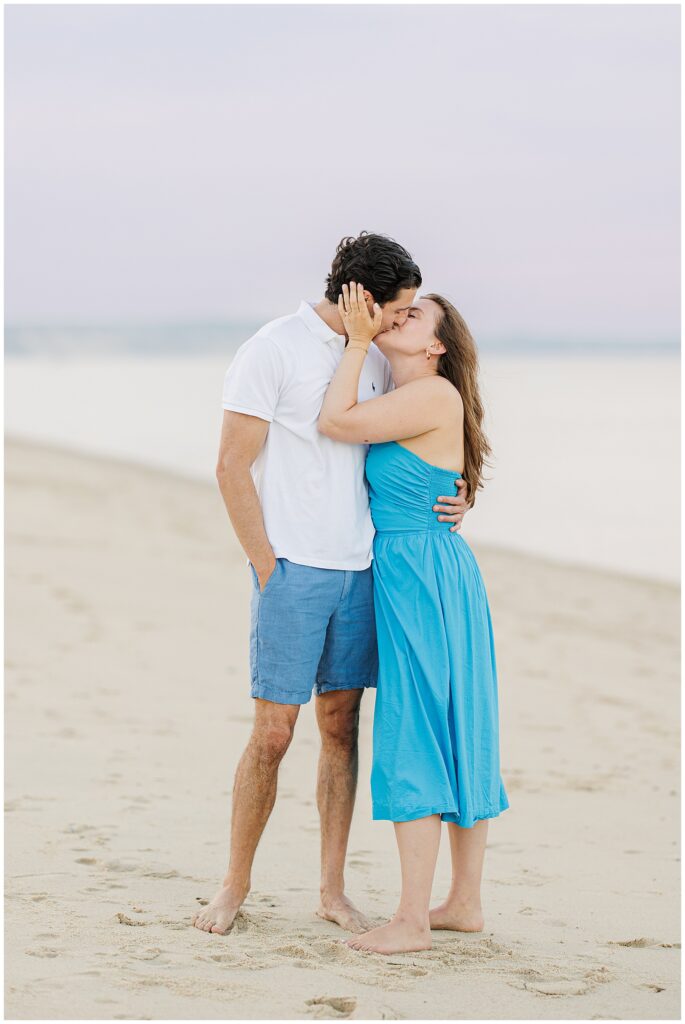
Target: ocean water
x,y
586,466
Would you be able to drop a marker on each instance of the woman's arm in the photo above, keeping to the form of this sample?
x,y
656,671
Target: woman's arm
x,y
413,409
410,410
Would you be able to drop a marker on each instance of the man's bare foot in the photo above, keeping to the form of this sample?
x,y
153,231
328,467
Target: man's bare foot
x,y
393,937
342,911
457,917
218,916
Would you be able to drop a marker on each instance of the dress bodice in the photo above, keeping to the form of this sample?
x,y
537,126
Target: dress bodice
x,y
403,488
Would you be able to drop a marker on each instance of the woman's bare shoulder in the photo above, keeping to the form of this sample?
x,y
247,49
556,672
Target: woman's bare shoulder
x,y
437,388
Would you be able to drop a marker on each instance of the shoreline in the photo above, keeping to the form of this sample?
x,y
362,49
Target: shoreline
x,y
127,709
184,477
567,492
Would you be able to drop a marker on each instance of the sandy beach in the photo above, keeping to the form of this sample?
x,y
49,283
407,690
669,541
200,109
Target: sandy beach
x,y
127,708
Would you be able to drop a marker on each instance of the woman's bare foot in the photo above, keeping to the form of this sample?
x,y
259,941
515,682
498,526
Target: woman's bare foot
x,y
218,916
457,917
393,937
342,911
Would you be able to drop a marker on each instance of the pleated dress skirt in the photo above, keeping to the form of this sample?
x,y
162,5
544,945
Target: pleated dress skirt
x,y
436,719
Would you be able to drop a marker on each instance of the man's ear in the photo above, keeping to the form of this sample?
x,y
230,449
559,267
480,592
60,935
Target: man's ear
x,y
369,299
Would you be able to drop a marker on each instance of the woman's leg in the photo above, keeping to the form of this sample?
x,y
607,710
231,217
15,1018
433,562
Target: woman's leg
x,y
462,911
418,842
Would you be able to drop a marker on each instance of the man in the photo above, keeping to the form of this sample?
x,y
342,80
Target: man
x,y
299,506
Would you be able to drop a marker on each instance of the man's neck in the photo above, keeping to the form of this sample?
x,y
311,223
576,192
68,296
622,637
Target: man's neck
x,y
328,312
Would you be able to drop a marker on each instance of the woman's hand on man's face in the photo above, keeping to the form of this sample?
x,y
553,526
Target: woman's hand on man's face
x,y
360,326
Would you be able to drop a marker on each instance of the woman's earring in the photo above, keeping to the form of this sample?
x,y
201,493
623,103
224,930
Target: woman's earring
x,y
428,355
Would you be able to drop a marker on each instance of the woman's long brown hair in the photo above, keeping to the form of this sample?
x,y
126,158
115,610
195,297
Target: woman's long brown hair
x,y
459,364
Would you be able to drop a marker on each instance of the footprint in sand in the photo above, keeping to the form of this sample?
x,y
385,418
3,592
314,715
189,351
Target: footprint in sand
x,y
120,866
173,924
299,956
151,953
556,987
402,968
124,919
600,974
643,943
331,1007
159,872
333,950
233,959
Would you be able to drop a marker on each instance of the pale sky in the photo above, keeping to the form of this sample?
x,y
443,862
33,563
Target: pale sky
x,y
202,162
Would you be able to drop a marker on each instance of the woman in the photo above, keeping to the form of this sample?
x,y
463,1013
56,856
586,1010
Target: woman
x,y
435,730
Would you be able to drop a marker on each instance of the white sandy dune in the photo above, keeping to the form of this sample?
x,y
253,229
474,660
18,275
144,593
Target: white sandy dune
x,y
127,707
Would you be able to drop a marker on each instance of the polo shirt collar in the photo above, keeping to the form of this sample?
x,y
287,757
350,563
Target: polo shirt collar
x,y
318,327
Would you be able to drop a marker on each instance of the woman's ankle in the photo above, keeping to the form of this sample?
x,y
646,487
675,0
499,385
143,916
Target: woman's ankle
x,y
419,922
464,900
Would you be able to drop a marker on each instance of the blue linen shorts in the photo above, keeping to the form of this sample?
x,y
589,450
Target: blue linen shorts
x,y
311,628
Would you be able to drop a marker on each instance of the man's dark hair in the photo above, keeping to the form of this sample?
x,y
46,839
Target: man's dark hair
x,y
382,265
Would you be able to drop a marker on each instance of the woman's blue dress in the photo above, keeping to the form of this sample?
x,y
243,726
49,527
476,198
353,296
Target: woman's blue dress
x,y
435,728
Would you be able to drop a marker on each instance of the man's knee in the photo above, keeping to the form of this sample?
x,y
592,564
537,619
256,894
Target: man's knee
x,y
338,717
273,731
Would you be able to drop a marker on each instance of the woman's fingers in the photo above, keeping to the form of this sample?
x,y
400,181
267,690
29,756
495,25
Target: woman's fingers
x,y
354,310
451,503
377,317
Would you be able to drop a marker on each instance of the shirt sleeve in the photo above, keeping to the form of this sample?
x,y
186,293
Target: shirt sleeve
x,y
254,380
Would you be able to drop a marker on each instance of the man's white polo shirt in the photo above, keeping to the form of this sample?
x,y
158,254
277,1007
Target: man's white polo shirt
x,y
312,489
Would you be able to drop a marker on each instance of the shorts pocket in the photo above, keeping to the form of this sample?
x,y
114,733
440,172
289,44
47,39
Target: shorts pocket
x,y
270,579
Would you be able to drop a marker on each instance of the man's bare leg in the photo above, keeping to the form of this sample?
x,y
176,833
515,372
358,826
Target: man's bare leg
x,y
462,910
254,795
337,715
